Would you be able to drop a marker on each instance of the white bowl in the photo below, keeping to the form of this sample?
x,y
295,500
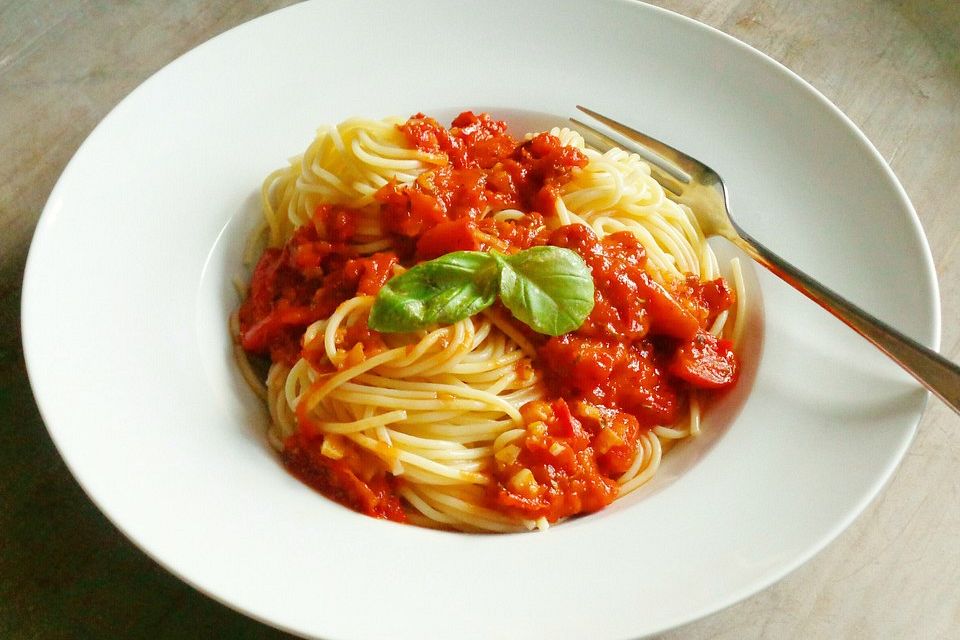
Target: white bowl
x,y
127,293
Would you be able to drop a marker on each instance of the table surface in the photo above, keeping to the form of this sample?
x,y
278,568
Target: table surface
x,y
893,66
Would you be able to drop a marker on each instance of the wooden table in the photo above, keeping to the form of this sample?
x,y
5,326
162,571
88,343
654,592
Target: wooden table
x,y
892,65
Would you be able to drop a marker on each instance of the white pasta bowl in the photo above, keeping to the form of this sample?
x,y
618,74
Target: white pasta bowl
x,y
128,289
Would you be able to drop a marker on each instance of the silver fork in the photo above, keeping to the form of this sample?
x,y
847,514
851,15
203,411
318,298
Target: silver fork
x,y
698,186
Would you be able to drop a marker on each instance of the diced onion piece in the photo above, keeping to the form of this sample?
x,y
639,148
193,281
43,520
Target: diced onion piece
x,y
354,357
507,455
537,428
332,446
536,410
524,483
607,440
587,410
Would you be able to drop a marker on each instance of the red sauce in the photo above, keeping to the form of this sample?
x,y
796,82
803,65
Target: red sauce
x,y
303,282
557,453
627,369
486,168
352,480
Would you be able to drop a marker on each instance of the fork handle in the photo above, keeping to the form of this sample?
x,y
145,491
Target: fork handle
x,y
932,370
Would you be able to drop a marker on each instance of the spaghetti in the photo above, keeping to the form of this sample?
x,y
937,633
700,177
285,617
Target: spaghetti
x,y
483,424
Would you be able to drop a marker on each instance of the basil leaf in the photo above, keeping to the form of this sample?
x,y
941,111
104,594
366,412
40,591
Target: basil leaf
x,y
550,289
440,291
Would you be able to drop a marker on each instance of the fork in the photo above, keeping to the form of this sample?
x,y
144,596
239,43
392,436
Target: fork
x,y
696,185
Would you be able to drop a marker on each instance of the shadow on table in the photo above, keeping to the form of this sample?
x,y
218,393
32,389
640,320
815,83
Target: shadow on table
x,y
65,571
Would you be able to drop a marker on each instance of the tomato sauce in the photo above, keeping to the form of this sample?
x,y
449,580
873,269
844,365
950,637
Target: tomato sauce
x,y
351,480
487,169
628,368
624,371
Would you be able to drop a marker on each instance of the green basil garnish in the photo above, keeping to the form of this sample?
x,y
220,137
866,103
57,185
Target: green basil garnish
x,y
440,291
550,289
547,288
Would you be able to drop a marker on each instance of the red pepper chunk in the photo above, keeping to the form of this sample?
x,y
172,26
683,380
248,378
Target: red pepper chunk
x,y
716,296
667,316
705,362
447,237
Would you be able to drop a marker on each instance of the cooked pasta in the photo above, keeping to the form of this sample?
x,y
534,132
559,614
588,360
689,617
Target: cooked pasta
x,y
481,424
